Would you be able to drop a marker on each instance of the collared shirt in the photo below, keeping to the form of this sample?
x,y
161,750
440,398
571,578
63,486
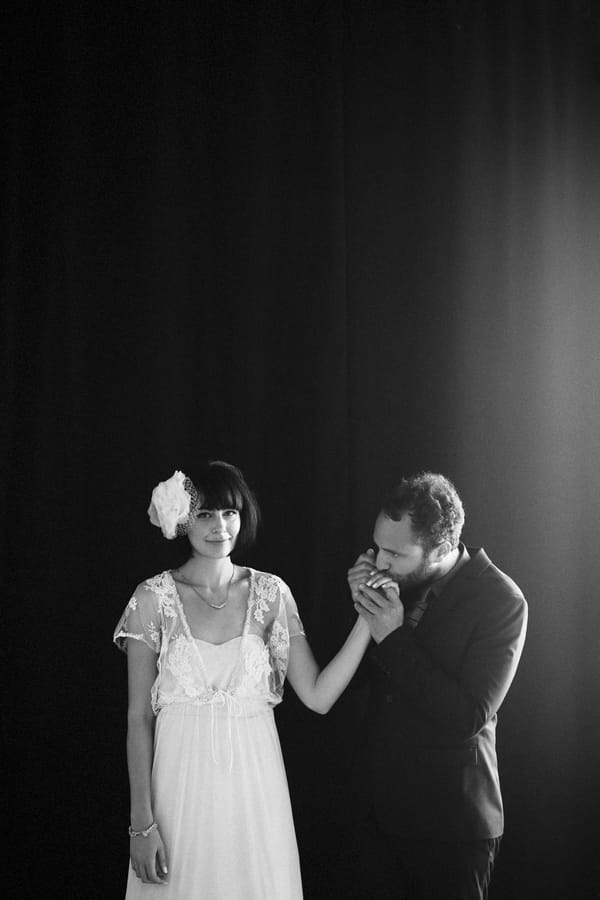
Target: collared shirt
x,y
415,613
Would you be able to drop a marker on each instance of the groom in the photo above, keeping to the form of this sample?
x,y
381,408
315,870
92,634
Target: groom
x,y
448,634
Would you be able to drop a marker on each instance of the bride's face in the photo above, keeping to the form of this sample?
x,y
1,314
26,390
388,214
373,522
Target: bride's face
x,y
214,532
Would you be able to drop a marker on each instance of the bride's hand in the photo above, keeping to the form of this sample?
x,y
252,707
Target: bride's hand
x,y
363,568
148,858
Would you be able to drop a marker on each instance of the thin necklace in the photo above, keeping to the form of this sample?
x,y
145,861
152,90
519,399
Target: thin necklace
x,y
213,605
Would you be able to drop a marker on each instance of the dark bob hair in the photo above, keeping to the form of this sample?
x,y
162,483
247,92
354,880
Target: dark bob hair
x,y
222,486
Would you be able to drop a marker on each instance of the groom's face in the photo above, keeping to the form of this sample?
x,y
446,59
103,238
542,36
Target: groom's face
x,y
400,554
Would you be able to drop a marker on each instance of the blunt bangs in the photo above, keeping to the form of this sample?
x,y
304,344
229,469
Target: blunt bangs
x,y
219,490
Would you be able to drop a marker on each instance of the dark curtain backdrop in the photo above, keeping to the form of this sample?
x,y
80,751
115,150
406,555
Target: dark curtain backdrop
x,y
333,243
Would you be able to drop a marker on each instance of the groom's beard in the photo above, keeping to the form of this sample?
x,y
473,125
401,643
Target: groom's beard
x,y
420,577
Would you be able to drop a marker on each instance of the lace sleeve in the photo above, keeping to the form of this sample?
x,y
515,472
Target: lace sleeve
x,y
140,620
285,625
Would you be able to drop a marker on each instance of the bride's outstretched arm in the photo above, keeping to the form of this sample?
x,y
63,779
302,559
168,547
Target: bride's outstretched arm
x,y
320,688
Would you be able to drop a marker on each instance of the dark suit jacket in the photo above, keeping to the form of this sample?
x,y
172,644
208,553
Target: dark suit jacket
x,y
430,765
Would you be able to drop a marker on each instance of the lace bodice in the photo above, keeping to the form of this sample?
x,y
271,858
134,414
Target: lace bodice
x,y
156,616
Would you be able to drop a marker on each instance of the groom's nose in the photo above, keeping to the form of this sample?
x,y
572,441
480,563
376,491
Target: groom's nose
x,y
381,563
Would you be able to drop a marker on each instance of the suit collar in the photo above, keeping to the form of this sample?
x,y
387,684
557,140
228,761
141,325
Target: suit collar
x,y
453,591
438,587
478,563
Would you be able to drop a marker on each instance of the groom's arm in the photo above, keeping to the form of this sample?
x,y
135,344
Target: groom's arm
x,y
461,703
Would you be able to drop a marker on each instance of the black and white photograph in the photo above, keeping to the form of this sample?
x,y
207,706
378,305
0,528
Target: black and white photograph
x,y
300,323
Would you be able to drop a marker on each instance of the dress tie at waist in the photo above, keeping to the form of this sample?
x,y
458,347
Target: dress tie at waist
x,y
230,702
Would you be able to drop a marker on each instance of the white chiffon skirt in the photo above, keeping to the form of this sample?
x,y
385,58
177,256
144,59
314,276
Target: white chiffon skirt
x,y
222,803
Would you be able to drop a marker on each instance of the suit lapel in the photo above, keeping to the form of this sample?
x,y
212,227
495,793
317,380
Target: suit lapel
x,y
455,590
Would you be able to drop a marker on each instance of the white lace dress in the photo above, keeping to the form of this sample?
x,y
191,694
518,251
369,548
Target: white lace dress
x,y
220,793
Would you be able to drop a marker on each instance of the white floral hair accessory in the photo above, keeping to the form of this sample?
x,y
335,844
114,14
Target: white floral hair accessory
x,y
174,505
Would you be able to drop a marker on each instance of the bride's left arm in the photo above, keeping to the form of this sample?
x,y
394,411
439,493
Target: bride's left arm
x,y
320,688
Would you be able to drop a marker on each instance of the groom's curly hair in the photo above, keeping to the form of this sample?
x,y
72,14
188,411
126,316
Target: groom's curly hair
x,y
433,504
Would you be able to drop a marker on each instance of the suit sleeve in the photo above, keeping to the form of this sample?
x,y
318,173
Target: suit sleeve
x,y
461,702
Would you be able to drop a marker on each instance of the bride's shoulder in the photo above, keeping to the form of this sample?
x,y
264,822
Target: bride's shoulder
x,y
157,587
269,583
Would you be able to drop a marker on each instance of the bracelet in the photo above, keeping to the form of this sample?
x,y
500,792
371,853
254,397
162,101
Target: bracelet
x,y
144,832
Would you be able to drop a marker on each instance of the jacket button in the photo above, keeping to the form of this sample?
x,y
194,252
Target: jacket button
x,y
389,698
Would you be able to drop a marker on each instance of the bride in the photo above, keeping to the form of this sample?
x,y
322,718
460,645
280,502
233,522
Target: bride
x,y
209,645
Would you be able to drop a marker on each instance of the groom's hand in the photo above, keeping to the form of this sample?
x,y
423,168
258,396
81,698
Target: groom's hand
x,y
378,602
363,569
